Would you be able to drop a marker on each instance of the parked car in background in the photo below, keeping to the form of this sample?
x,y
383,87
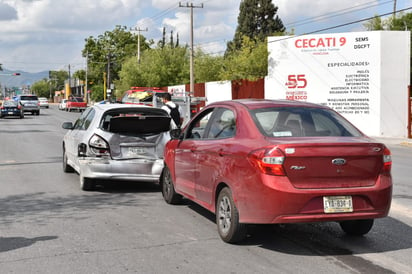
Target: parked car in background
x,y
266,161
76,103
116,142
62,104
12,108
30,103
43,102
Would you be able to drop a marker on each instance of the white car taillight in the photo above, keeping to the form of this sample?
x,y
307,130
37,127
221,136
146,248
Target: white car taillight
x,y
268,161
99,146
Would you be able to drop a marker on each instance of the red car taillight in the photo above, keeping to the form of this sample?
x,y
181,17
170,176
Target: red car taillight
x,y
99,146
268,161
387,161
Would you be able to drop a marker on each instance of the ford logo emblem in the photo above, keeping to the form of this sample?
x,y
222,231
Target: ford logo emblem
x,y
339,161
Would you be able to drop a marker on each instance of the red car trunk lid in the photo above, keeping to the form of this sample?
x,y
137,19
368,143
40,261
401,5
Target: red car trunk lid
x,y
340,165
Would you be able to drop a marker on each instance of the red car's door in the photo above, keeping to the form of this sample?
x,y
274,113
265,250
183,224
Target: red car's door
x,y
213,154
187,153
185,168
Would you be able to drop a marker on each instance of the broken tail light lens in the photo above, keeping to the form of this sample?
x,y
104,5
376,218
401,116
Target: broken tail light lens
x,y
99,146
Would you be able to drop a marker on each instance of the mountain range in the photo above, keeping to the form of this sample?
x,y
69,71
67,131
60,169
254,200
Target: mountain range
x,y
9,79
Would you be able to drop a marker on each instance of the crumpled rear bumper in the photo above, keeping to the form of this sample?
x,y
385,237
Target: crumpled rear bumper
x,y
144,170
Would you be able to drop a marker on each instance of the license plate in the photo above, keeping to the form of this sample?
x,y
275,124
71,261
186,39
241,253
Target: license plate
x,y
134,151
337,204
10,112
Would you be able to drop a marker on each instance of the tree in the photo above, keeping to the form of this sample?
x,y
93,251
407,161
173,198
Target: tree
x,y
80,74
57,79
374,24
250,62
207,67
41,88
97,93
108,51
257,20
159,67
401,22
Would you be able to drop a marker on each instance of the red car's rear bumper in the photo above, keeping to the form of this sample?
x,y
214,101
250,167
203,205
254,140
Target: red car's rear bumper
x,y
277,201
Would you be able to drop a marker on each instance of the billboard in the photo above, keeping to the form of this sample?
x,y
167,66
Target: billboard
x,y
362,75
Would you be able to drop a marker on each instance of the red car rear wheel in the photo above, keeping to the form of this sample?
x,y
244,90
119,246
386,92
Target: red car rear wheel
x,y
227,218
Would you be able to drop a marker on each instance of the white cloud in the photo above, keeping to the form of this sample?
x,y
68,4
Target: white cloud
x,y
47,34
180,24
214,24
165,4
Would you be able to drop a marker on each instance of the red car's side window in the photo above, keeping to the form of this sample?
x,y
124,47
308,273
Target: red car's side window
x,y
223,125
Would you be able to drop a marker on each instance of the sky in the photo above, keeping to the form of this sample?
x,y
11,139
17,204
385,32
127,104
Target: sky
x,y
41,35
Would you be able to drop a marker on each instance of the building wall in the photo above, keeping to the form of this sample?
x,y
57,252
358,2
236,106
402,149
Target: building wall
x,y
248,89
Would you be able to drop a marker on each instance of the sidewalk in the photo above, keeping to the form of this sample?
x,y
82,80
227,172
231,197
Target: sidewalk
x,y
395,141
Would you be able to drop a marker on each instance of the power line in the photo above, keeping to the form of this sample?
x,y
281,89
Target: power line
x,y
357,21
328,16
337,13
333,27
161,14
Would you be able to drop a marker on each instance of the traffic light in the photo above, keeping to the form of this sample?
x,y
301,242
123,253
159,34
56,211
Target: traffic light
x,y
16,74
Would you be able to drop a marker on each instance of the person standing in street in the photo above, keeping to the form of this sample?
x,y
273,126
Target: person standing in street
x,y
173,110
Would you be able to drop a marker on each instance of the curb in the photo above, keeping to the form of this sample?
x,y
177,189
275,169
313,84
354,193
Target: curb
x,y
406,143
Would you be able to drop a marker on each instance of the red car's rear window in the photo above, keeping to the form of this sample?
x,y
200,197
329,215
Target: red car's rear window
x,y
302,121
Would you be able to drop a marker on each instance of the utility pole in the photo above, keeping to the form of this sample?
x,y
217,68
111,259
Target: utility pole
x,y
191,6
108,75
86,85
394,9
138,29
68,91
85,80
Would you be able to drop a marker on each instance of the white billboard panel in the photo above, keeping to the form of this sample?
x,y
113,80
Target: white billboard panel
x,y
349,72
218,91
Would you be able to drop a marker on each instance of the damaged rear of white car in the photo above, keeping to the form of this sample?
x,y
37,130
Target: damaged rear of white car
x,y
116,142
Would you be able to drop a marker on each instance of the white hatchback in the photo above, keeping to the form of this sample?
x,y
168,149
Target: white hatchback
x,y
116,142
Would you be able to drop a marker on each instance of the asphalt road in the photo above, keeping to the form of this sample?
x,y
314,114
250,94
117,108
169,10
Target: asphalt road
x,y
47,225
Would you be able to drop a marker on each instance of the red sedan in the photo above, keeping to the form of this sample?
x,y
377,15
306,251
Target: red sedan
x,y
266,161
